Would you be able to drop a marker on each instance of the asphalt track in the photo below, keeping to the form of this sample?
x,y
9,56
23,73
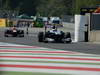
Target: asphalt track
x,y
31,40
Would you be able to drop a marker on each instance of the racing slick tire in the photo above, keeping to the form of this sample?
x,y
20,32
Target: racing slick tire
x,y
21,34
40,37
5,34
68,37
68,40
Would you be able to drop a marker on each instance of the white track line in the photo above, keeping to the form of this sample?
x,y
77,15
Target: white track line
x,y
56,60
48,56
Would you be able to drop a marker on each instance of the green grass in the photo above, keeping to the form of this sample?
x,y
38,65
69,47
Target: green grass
x,y
61,62
51,54
28,73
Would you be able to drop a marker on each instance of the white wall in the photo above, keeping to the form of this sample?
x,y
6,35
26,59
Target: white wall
x,y
80,22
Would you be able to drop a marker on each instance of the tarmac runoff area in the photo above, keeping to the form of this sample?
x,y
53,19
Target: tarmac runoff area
x,y
18,59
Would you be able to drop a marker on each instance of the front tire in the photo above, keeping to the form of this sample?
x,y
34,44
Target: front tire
x,y
40,37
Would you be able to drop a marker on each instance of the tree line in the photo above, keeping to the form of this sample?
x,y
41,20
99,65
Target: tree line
x,y
47,7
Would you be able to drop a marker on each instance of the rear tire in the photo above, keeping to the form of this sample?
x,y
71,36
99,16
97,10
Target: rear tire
x,y
21,34
68,37
5,35
40,37
69,41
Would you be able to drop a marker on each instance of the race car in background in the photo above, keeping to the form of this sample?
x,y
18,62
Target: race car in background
x,y
55,21
14,32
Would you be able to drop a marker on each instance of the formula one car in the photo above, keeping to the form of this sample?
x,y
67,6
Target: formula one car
x,y
54,36
14,32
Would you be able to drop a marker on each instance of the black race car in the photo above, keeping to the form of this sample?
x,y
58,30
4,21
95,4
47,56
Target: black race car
x,y
54,36
14,32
